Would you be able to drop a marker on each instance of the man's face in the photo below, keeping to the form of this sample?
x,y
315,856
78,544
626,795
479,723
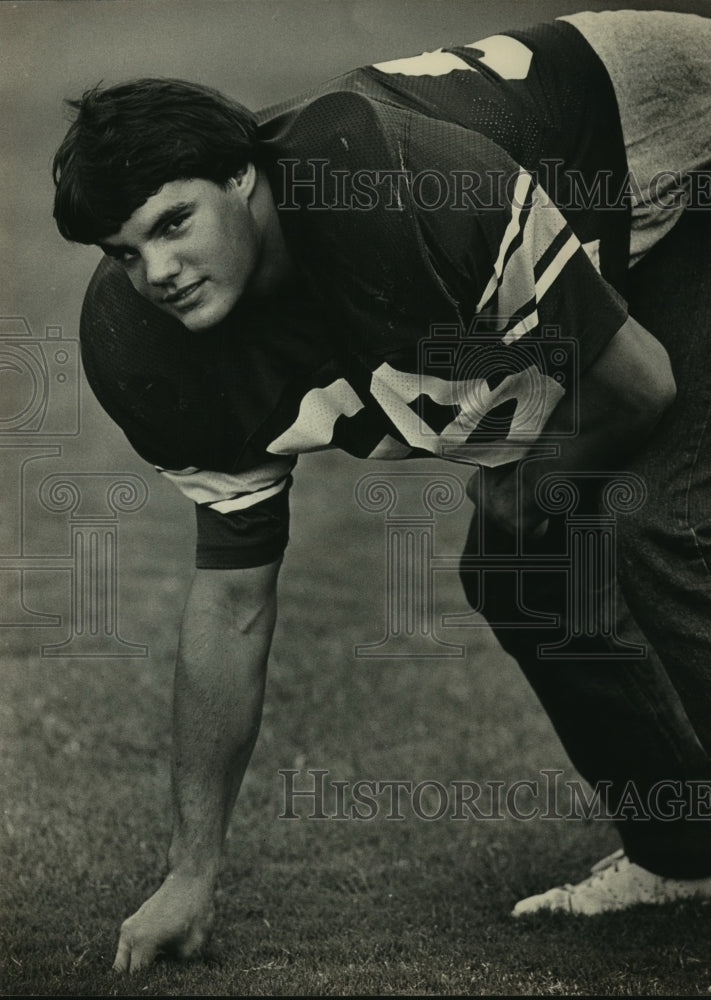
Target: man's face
x,y
192,248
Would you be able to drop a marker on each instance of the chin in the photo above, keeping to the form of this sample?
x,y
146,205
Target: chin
x,y
196,324
199,320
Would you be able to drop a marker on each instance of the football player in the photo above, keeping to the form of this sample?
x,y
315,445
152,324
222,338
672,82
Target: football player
x,y
267,285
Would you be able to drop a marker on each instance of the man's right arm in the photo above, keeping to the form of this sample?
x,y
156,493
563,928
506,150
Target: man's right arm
x,y
219,689
620,400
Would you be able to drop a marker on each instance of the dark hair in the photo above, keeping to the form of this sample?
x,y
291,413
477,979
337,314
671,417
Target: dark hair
x,y
127,141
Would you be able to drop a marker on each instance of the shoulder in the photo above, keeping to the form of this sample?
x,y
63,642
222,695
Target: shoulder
x,y
346,128
159,384
125,343
114,321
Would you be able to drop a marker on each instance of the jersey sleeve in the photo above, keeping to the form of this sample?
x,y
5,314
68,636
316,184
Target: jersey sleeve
x,y
243,518
506,252
201,410
536,312
534,278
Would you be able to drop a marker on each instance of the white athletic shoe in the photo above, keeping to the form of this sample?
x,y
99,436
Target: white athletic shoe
x,y
615,883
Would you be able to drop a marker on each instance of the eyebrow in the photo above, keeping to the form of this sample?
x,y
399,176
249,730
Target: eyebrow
x,y
115,249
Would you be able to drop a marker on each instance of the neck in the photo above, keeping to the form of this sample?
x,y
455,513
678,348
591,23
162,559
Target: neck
x,y
275,264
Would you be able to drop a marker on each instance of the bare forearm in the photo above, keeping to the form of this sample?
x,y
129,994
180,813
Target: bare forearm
x,y
219,690
619,402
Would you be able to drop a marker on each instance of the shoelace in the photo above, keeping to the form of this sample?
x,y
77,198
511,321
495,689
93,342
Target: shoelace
x,y
611,861
599,869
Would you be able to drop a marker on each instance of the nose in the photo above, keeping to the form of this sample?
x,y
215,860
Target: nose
x,y
161,265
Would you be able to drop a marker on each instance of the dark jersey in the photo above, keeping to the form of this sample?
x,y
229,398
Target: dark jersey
x,y
446,298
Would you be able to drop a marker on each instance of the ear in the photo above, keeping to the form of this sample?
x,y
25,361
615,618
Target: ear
x,y
245,179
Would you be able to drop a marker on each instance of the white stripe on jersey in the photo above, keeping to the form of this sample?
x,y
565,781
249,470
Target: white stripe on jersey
x,y
536,396
226,491
556,266
394,390
437,63
592,249
542,224
520,201
319,410
390,448
569,248
515,287
507,56
248,500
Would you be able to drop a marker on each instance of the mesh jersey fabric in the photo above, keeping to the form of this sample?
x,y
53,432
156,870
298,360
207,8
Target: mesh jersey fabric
x,y
343,360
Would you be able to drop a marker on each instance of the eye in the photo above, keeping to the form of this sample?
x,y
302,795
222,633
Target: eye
x,y
175,224
125,257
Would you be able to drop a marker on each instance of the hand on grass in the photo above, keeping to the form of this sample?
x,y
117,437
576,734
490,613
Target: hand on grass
x,y
176,921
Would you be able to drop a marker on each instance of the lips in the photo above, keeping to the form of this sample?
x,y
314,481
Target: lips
x,y
183,296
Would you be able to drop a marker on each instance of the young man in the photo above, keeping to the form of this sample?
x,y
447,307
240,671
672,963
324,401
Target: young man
x,y
266,290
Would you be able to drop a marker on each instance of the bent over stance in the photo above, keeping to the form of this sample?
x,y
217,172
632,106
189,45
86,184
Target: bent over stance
x,y
267,283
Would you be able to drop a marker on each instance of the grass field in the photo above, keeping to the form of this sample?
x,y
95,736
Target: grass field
x,y
306,906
